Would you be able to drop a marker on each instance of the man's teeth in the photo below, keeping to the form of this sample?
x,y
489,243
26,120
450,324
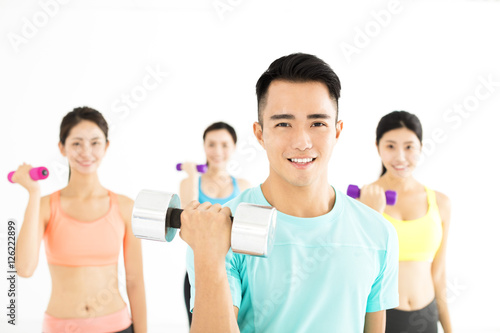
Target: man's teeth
x,y
301,160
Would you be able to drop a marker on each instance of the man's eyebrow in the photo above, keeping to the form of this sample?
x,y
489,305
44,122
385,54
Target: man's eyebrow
x,y
282,116
318,116
291,116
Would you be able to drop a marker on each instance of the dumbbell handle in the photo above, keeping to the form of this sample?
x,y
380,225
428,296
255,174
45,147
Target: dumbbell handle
x,y
35,174
202,168
173,218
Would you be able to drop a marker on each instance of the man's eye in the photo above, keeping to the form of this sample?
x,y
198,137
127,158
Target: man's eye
x,y
282,125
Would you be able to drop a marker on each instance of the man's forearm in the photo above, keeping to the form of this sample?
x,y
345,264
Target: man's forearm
x,y
213,306
375,322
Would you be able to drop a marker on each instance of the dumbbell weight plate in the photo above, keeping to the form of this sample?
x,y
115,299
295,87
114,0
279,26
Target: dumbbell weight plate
x,y
148,216
253,230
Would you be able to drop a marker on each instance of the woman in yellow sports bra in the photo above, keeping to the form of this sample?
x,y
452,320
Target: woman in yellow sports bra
x,y
84,227
421,218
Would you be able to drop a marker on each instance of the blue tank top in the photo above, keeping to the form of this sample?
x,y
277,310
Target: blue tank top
x,y
202,197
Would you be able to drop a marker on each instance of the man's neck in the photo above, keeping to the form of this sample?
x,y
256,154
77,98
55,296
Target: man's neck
x,y
301,201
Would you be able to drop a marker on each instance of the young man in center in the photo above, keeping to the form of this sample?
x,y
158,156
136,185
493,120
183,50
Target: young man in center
x,y
334,266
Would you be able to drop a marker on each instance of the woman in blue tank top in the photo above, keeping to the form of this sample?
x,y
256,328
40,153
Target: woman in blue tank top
x,y
216,185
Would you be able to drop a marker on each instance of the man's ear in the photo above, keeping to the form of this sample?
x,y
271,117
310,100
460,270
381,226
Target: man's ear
x,y
257,131
339,127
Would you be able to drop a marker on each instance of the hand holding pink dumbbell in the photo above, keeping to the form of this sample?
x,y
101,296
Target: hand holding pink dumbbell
x,y
35,174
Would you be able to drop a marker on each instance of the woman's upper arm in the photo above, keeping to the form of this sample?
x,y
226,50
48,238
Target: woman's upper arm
x,y
444,206
188,191
30,236
183,191
132,253
44,215
126,207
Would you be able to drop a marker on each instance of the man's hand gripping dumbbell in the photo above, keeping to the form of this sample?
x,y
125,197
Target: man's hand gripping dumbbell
x,y
157,216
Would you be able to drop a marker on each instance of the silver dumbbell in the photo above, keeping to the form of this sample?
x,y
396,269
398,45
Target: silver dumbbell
x,y
156,216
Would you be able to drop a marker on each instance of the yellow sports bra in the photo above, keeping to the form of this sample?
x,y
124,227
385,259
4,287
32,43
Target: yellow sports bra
x,y
419,239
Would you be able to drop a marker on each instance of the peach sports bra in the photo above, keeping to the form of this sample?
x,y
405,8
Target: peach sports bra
x,y
69,242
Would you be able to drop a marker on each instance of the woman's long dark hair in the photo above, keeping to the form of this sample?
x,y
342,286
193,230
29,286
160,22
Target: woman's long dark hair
x,y
395,120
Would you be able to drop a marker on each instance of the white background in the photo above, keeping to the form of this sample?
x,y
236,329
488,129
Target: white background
x,y
429,58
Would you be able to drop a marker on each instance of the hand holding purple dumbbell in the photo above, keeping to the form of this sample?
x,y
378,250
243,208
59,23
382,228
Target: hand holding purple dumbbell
x,y
390,196
202,168
35,174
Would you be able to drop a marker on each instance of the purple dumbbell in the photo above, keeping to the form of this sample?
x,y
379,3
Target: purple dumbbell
x,y
390,196
202,168
35,173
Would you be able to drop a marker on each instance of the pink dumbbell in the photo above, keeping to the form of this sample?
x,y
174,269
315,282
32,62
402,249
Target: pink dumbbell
x,y
202,168
35,173
390,196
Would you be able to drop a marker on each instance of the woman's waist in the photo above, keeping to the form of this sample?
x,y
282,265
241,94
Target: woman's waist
x,y
80,305
112,322
84,291
416,287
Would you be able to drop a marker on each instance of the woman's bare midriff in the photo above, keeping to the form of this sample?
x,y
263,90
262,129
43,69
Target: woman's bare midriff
x,y
416,288
84,292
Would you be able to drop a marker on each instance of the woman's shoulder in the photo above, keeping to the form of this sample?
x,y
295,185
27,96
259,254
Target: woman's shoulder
x,y
45,201
124,201
243,184
442,199
46,198
444,205
125,205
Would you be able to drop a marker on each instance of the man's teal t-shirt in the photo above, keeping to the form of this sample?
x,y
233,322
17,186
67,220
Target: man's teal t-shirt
x,y
323,274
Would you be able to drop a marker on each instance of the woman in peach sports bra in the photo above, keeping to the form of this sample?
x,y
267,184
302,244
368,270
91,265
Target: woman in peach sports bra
x,y
421,218
84,226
